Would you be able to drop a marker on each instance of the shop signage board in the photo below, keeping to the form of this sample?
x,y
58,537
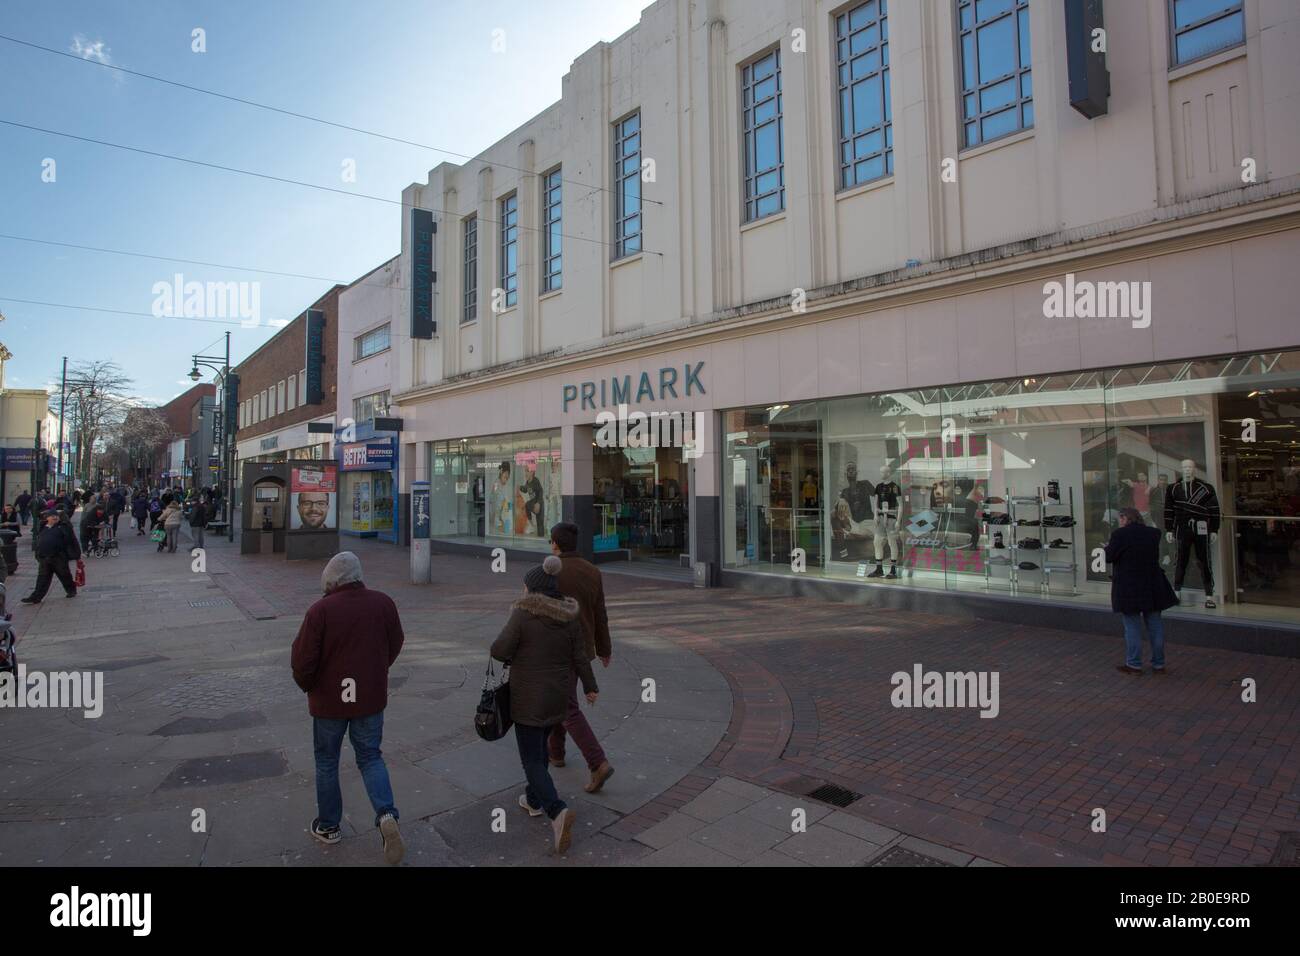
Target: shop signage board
x,y
423,325
315,357
371,455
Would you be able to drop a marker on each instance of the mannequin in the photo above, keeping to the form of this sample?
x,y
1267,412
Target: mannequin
x,y
887,500
1191,516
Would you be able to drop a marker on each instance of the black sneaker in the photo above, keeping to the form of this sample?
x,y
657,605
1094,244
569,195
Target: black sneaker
x,y
878,573
1209,602
326,835
1059,543
69,593
893,572
394,848
30,600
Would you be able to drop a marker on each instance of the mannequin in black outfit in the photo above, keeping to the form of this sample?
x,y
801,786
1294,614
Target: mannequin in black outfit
x,y
1192,520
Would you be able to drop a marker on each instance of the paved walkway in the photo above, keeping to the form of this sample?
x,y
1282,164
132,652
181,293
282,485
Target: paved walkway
x,y
758,701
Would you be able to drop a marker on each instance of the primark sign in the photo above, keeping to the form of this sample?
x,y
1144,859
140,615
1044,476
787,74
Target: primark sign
x,y
619,390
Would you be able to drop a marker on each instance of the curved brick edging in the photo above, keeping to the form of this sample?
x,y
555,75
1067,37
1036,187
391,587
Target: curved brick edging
x,y
761,725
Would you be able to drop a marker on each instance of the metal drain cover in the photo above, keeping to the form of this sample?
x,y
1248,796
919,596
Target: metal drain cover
x,y
212,602
835,795
901,857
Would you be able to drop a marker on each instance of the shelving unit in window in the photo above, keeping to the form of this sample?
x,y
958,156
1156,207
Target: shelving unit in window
x,y
1028,508
1063,512
992,524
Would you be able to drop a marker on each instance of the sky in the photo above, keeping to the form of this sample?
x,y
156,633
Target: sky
x,y
397,67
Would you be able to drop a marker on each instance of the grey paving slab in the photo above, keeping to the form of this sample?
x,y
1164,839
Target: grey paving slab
x,y
677,826
688,853
479,768
742,788
823,846
714,804
860,828
777,811
668,736
773,858
738,836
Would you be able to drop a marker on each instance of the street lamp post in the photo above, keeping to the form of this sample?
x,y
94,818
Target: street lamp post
x,y
77,385
227,446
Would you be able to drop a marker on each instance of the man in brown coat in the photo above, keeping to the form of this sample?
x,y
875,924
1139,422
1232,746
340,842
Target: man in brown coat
x,y
580,580
341,656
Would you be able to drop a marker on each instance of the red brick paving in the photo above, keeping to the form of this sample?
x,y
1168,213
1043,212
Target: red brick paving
x,y
1186,773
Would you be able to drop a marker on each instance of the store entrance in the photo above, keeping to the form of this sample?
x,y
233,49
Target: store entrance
x,y
1261,500
641,498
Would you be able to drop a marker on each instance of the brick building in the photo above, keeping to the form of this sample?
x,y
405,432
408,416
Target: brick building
x,y
188,418
287,384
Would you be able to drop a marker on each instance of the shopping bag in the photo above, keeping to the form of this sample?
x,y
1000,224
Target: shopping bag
x,y
158,534
80,578
492,716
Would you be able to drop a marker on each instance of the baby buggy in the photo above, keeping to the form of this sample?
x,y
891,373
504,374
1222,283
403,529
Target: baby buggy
x,y
104,545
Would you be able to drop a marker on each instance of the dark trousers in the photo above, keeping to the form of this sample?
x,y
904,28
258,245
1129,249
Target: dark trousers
x,y
532,754
575,723
113,517
1187,540
50,568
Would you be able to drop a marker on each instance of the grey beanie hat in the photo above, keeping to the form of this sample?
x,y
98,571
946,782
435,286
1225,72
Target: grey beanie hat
x,y
343,568
542,578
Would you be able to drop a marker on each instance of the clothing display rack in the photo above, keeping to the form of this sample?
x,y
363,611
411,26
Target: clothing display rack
x,y
1033,509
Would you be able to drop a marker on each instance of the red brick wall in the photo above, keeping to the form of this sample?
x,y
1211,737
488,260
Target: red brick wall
x,y
285,355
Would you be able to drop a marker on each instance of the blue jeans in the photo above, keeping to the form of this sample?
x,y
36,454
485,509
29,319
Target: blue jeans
x,y
1133,638
533,755
366,734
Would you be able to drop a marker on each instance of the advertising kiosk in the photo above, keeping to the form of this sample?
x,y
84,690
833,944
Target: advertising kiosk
x,y
290,507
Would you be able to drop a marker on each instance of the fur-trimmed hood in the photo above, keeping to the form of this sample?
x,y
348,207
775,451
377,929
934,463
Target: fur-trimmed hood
x,y
539,605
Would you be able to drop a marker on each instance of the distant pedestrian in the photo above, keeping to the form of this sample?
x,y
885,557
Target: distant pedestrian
x,y
155,512
24,503
544,645
171,519
114,507
9,520
580,580
1139,589
56,545
198,520
341,656
140,511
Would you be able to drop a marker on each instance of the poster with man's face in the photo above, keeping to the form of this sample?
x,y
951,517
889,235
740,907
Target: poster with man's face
x,y
312,494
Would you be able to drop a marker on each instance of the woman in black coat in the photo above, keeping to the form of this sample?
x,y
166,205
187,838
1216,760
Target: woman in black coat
x,y
1139,590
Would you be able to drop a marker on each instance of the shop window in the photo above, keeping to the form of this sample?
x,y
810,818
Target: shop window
x,y
996,80
1198,28
627,186
761,123
866,129
504,488
371,343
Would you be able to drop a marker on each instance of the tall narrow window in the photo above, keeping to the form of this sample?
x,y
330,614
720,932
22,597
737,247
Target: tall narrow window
x,y
469,272
862,78
1198,28
510,249
764,139
996,86
551,247
627,186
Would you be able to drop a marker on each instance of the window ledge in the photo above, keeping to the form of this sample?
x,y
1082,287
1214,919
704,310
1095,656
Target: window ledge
x,y
506,311
550,294
1207,62
767,220
372,355
627,260
994,144
861,188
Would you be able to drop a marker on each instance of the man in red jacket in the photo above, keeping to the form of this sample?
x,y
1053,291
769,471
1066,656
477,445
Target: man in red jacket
x,y
341,656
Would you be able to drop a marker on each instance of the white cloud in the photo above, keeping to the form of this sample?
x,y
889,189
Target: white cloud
x,y
90,49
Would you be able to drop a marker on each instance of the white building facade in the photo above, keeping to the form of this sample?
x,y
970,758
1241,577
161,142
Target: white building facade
x,y
938,326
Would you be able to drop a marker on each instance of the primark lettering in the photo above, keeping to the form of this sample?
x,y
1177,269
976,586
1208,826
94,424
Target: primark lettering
x,y
617,390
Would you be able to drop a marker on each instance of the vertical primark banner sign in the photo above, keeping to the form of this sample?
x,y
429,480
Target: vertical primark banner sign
x,y
232,399
422,275
315,355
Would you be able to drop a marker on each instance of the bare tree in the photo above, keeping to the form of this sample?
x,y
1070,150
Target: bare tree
x,y
133,444
96,406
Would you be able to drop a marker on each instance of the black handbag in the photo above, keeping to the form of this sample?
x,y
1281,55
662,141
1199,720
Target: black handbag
x,y
492,717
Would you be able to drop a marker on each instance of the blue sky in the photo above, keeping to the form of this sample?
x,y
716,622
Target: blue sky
x,y
399,68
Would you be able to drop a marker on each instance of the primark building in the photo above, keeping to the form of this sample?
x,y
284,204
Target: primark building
x,y
940,286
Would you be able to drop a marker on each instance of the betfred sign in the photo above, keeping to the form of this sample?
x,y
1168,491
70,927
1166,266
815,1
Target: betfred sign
x,y
373,455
